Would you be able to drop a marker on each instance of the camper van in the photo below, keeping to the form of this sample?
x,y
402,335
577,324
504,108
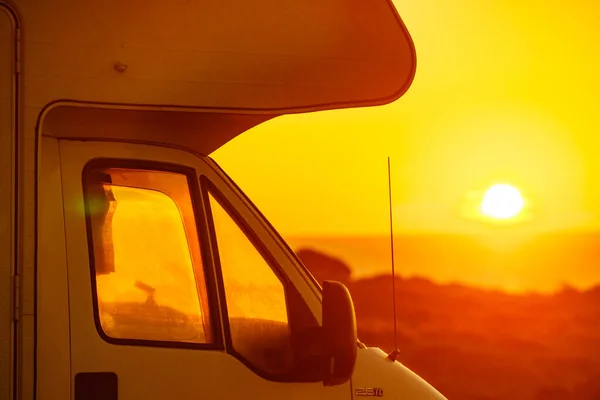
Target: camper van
x,y
132,266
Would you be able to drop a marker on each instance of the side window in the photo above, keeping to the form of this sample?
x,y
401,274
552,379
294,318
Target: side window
x,y
149,279
255,296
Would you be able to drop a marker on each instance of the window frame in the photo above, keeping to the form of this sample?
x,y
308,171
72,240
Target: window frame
x,y
207,189
210,277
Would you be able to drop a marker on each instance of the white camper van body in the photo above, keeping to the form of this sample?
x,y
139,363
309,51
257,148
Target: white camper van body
x,y
116,104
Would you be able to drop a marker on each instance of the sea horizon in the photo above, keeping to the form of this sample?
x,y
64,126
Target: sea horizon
x,y
542,263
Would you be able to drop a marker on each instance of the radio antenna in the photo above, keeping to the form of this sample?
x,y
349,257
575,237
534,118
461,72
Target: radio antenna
x,y
396,352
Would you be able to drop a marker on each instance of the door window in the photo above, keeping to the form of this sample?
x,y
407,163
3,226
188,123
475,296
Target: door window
x,y
255,296
271,328
148,275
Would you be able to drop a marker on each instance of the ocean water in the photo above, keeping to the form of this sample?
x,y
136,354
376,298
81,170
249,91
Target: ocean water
x,y
542,263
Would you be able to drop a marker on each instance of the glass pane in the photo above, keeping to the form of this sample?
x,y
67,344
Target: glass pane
x,y
256,299
147,269
252,288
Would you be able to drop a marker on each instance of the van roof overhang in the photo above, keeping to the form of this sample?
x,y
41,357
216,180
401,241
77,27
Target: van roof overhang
x,y
259,58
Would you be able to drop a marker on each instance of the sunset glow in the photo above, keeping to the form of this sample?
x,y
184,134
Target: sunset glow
x,y
504,92
502,201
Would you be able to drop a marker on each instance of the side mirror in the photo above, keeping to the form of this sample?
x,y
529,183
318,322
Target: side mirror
x,y
339,334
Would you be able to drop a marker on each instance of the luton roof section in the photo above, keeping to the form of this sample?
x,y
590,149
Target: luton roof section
x,y
267,57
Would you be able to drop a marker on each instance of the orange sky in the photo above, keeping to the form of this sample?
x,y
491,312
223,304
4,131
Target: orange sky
x,y
505,90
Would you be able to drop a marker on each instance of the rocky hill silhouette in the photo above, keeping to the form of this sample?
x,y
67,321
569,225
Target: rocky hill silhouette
x,y
324,267
476,344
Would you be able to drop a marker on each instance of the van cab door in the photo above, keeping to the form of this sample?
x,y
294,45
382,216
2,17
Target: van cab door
x,y
177,289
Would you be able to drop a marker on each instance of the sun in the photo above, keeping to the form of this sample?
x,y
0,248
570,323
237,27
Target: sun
x,y
502,201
